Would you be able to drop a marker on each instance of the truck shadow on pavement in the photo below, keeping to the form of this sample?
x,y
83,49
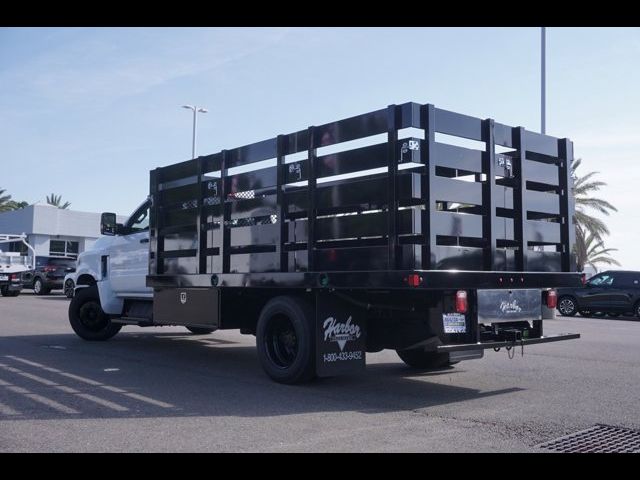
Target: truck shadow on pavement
x,y
159,374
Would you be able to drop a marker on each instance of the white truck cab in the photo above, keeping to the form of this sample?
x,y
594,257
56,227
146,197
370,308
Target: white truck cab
x,y
116,266
111,286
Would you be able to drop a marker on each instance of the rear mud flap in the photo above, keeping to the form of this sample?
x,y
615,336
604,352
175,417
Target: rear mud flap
x,y
340,336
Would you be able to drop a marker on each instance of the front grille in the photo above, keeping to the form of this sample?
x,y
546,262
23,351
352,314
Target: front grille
x,y
597,439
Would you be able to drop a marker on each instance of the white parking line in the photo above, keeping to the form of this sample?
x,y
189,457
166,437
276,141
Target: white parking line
x,y
72,391
7,410
142,398
45,401
79,378
35,378
34,364
136,396
55,370
103,402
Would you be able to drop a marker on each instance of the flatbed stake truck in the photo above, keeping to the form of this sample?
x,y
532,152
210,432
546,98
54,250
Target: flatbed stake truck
x,y
379,231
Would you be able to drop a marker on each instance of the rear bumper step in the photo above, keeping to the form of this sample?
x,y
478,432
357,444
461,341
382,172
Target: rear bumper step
x,y
524,341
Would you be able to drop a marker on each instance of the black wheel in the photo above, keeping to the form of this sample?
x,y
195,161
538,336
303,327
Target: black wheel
x,y
418,358
87,318
200,330
285,338
39,288
9,293
69,287
567,306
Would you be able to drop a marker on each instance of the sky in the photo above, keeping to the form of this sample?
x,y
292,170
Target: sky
x,y
86,112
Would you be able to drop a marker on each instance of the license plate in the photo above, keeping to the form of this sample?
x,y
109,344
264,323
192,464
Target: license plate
x,y
4,277
454,323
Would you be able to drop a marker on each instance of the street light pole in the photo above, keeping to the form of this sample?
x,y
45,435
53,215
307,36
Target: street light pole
x,y
543,93
195,110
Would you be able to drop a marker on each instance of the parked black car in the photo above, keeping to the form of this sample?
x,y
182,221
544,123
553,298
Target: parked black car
x,y
614,292
49,274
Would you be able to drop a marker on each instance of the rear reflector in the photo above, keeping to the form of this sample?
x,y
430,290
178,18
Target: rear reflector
x,y
552,299
461,301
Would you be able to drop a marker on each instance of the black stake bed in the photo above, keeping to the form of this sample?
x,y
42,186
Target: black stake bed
x,y
368,201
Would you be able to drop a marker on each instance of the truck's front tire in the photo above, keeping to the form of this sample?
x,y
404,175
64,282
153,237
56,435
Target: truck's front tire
x,y
88,319
418,358
285,339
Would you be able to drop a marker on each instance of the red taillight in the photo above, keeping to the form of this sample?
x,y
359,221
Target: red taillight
x,y
552,299
48,269
13,276
461,301
413,280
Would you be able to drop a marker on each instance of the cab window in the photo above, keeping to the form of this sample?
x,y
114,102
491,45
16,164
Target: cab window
x,y
139,220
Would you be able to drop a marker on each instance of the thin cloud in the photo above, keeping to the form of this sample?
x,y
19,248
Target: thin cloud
x,y
100,71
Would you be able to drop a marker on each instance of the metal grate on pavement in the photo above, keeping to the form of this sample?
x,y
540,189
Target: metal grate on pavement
x,y
597,439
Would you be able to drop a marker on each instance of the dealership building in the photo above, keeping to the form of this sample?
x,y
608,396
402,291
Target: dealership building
x,y
52,231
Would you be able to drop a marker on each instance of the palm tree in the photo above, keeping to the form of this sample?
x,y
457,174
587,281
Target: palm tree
x,y
13,205
56,201
590,250
582,189
4,201
590,230
6,204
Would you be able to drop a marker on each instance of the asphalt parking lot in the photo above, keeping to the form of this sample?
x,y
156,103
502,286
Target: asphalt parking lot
x,y
163,389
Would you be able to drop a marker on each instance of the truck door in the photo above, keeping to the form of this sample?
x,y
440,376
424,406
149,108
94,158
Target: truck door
x,y
129,255
597,294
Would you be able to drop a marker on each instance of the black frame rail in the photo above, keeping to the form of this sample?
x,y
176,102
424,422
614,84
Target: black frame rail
x,y
406,188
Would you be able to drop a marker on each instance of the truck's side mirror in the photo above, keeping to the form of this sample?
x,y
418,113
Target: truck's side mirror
x,y
108,225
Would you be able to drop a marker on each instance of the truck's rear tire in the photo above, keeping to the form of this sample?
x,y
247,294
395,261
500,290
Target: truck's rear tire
x,y
88,319
200,330
285,339
418,358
